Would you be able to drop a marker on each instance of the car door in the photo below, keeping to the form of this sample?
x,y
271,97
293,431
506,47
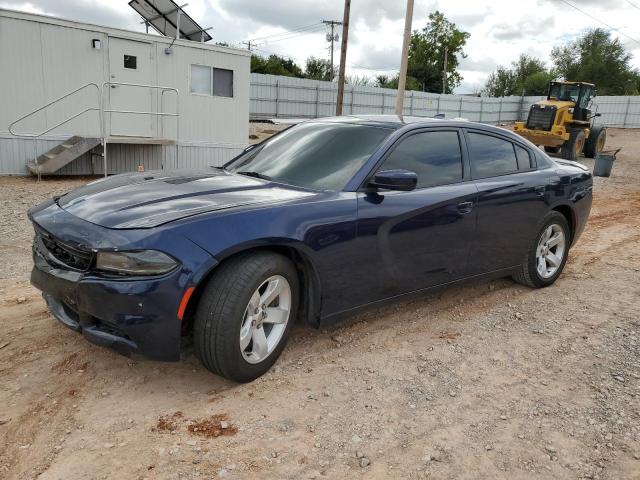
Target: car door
x,y
512,198
410,240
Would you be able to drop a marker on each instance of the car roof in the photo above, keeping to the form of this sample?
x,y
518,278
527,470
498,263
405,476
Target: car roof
x,y
411,122
387,120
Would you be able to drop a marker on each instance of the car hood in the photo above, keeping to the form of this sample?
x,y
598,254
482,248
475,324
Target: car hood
x,y
145,200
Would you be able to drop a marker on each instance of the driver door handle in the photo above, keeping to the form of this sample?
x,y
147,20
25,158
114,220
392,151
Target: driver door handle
x,y
465,207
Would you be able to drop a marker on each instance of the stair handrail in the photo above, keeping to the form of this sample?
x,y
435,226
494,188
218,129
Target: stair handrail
x,y
102,111
162,88
35,135
160,113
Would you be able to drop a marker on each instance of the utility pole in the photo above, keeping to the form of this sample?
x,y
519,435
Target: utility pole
x,y
331,38
402,78
248,44
343,56
444,71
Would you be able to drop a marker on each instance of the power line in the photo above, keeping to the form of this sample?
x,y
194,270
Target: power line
x,y
253,43
598,20
288,32
293,35
373,69
633,4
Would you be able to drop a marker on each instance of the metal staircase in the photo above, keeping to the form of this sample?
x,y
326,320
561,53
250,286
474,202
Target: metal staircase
x,y
62,154
75,146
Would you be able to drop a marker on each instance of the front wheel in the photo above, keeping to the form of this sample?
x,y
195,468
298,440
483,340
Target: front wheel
x,y
547,254
245,314
572,148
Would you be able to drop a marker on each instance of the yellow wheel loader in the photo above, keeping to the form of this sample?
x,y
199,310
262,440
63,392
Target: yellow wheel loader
x,y
563,123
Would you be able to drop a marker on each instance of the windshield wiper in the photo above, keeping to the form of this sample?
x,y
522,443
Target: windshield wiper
x,y
256,175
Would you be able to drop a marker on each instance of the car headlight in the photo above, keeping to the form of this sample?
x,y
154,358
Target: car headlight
x,y
142,262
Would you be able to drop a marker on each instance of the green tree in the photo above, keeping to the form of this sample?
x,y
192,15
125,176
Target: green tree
x,y
319,69
538,83
527,75
358,81
386,81
500,83
427,53
597,58
275,65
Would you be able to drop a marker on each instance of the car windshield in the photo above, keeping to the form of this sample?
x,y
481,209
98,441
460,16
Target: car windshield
x,y
320,156
567,93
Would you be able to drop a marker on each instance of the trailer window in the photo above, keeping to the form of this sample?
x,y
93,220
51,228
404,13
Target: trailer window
x,y
222,82
211,81
200,79
130,61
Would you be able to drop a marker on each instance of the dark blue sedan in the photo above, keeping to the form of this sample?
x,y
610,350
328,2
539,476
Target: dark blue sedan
x,y
322,219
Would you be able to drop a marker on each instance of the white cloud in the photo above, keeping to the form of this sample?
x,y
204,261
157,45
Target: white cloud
x,y
500,30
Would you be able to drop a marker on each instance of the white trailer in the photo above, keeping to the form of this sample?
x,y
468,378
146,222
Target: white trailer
x,y
68,88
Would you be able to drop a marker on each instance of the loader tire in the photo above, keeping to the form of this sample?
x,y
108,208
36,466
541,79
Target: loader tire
x,y
572,148
595,142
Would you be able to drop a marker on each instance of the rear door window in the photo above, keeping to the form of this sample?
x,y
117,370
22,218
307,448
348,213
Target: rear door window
x,y
434,156
491,156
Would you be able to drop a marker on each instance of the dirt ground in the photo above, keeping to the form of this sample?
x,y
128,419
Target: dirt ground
x,y
492,380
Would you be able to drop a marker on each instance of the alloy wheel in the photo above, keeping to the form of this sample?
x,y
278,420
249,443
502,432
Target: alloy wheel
x,y
550,251
265,319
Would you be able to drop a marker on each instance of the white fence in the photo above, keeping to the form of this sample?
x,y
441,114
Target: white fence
x,y
287,97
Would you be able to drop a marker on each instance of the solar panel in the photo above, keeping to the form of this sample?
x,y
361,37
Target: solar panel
x,y
163,16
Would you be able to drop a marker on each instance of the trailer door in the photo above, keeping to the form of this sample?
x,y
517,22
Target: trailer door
x,y
130,62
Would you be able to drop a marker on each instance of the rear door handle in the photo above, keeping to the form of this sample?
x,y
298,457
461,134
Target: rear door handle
x,y
465,207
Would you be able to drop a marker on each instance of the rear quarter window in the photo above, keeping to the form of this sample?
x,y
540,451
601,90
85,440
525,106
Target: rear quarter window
x,y
525,162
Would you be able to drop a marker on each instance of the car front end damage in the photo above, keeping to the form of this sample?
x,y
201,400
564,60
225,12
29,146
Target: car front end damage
x,y
129,311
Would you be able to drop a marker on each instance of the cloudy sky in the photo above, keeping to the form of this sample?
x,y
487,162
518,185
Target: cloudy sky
x,y
500,29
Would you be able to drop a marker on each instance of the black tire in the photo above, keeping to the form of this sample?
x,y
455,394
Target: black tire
x,y
528,273
220,313
595,142
552,149
572,148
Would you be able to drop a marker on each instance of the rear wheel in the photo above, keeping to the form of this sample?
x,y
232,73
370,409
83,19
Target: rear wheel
x,y
595,142
547,254
552,149
572,148
245,315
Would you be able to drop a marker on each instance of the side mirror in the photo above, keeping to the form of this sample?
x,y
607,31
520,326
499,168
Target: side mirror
x,y
402,180
598,115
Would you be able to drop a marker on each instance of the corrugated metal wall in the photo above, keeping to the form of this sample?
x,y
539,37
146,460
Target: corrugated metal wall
x,y
15,152
275,96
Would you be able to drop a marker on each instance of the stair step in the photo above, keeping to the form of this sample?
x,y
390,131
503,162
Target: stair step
x,y
62,154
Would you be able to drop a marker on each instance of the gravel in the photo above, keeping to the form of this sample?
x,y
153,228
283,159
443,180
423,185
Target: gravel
x,y
551,393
